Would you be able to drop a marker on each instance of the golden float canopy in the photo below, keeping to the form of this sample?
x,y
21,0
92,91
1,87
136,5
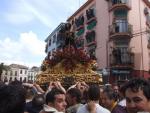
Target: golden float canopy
x,y
78,74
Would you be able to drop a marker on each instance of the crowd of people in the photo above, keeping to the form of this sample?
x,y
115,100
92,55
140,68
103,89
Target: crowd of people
x,y
130,97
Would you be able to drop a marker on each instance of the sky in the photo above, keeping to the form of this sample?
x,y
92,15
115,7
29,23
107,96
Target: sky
x,y
25,24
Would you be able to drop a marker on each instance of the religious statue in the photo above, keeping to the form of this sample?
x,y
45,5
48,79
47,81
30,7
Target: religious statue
x,y
68,35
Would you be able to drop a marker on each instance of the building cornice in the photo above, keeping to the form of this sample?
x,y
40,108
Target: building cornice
x,y
147,3
80,9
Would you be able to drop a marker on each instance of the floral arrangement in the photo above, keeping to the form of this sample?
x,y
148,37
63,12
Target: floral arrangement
x,y
69,57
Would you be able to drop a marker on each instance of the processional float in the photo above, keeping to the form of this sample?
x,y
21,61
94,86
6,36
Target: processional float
x,y
69,64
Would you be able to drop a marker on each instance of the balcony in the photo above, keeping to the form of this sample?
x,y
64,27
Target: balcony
x,y
90,38
125,59
119,4
120,30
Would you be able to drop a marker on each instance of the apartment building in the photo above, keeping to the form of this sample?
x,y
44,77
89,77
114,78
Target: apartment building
x,y
117,33
53,41
121,38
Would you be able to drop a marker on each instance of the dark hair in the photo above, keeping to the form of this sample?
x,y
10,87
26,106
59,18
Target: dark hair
x,y
29,92
137,84
74,92
94,92
16,83
12,99
38,100
111,94
50,97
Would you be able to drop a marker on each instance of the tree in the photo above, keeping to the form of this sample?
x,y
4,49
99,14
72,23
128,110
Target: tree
x,y
2,67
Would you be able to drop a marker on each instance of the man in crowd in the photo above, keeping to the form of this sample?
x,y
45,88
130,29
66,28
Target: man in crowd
x,y
93,105
55,101
12,99
109,100
137,93
73,97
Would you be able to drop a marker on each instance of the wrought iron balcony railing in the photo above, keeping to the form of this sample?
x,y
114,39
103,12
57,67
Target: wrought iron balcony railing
x,y
120,29
122,59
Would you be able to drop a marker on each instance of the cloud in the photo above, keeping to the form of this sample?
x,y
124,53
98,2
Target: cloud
x,y
27,50
32,44
30,15
48,12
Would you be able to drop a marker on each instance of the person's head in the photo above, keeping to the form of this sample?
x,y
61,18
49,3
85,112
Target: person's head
x,y
29,93
94,93
116,88
137,93
108,98
38,101
56,99
121,91
73,96
12,99
16,82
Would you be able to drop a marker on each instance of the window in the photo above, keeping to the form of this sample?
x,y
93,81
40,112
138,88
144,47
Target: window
x,y
49,42
6,72
25,71
21,79
11,73
90,36
146,12
54,38
121,13
119,2
79,21
121,25
90,13
21,71
15,73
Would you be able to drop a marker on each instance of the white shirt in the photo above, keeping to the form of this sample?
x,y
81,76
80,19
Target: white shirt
x,y
122,103
47,109
99,109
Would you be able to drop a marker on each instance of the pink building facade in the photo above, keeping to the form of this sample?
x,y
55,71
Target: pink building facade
x,y
117,34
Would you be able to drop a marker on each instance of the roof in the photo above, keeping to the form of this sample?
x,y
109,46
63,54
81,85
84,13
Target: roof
x,y
34,68
18,66
80,9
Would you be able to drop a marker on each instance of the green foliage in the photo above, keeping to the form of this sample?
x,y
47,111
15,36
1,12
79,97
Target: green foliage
x,y
3,67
